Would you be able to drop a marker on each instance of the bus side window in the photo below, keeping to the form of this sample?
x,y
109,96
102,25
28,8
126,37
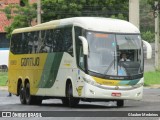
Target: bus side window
x,y
13,43
81,57
58,39
25,43
68,45
35,42
18,43
79,48
54,43
22,44
30,42
48,41
42,35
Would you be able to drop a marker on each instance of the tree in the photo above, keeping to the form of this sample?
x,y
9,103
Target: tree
x,y
146,16
20,16
54,9
146,21
58,9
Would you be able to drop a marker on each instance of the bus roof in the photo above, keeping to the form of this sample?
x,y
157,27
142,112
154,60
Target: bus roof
x,y
89,23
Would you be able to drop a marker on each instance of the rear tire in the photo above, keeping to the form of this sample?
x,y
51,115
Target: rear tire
x,y
22,94
29,98
72,102
120,103
37,100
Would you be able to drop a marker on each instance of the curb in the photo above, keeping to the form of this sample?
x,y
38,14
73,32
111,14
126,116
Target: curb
x,y
154,86
4,88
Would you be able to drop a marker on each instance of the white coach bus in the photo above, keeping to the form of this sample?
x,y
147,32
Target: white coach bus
x,y
4,54
81,58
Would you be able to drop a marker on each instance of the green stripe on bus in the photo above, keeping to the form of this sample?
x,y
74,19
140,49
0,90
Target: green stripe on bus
x,y
50,70
134,82
129,82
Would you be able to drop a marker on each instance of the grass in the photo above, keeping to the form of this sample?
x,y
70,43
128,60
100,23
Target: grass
x,y
3,78
152,78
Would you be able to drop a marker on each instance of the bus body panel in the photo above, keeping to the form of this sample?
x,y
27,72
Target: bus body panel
x,y
104,91
48,73
95,92
28,67
4,56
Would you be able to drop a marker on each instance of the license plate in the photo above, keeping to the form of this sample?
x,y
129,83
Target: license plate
x,y
115,94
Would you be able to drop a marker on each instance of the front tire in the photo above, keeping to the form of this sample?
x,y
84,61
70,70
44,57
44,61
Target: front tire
x,y
65,101
120,103
72,102
31,100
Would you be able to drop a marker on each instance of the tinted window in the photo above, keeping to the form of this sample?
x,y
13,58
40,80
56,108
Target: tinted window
x,y
15,43
68,46
45,41
79,50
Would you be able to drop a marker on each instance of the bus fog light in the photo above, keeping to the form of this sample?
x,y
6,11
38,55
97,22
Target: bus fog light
x,y
138,94
89,81
91,91
138,85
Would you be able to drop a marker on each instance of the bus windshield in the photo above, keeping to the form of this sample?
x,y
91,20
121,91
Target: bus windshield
x,y
115,54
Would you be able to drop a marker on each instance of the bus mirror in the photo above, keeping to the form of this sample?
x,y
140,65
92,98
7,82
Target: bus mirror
x,y
84,44
148,49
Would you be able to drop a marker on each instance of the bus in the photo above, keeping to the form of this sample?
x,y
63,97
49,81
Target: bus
x,y
77,59
4,52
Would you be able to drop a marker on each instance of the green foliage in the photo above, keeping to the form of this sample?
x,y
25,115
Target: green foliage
x,y
21,16
3,78
119,16
146,16
151,78
57,9
147,21
151,2
148,36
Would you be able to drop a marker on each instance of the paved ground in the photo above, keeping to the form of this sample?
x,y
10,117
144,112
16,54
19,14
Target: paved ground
x,y
150,102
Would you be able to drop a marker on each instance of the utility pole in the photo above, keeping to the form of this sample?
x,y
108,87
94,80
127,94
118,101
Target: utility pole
x,y
156,15
38,11
134,12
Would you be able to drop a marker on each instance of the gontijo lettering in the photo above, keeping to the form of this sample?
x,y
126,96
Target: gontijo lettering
x,y
30,61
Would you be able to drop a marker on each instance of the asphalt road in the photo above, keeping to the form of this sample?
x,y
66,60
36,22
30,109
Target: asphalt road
x,y
150,102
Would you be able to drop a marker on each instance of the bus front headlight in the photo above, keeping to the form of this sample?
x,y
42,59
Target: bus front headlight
x,y
138,85
89,81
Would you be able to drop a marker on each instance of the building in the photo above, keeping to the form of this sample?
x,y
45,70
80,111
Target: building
x,y
4,22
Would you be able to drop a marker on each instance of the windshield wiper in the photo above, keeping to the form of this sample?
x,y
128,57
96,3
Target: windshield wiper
x,y
109,67
111,64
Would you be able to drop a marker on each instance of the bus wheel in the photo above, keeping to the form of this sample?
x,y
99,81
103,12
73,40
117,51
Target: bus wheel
x,y
37,100
29,98
65,101
120,103
71,100
22,94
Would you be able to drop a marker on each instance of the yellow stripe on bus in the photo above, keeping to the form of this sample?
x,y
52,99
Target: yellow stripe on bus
x,y
106,81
